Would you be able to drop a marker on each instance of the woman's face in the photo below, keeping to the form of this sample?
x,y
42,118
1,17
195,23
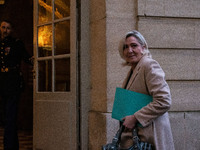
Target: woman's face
x,y
133,50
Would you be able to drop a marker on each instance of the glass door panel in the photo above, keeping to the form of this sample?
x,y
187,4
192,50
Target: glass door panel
x,y
45,11
45,41
62,8
55,82
62,38
45,76
62,74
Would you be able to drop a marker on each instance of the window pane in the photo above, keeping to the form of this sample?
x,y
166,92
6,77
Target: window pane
x,y
45,11
62,74
44,75
62,38
45,41
62,8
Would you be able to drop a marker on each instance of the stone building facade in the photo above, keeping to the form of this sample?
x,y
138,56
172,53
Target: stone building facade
x,y
81,120
172,31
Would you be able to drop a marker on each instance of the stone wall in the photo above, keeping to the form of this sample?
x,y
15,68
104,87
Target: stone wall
x,y
109,20
172,31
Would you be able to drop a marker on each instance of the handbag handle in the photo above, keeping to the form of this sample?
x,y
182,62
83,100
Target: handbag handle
x,y
117,137
115,141
138,144
136,140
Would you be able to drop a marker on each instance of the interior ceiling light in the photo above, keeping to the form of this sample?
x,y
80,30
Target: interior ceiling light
x,y
2,2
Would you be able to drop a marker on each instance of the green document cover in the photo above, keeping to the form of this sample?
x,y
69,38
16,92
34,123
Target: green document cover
x,y
128,102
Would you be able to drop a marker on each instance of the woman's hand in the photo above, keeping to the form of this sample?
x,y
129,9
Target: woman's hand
x,y
130,121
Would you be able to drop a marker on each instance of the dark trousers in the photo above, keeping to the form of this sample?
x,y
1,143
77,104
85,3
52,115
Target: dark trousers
x,y
10,103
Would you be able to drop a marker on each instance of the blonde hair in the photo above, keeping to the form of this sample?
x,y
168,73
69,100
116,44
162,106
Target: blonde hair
x,y
140,39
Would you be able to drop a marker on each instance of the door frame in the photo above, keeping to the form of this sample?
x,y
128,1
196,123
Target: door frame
x,y
75,72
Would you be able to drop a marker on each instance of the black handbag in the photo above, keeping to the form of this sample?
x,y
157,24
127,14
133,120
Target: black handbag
x,y
138,145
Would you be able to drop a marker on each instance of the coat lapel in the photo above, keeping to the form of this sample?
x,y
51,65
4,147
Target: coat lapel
x,y
132,78
135,73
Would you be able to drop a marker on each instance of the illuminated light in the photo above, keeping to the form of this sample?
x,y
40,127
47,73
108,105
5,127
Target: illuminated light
x,y
62,5
2,2
44,37
45,32
49,8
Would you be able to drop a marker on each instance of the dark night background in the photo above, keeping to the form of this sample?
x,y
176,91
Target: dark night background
x,y
20,13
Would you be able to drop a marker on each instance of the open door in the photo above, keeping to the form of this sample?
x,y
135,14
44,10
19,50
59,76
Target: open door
x,y
55,93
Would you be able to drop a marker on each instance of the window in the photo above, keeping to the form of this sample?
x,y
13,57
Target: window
x,y
53,46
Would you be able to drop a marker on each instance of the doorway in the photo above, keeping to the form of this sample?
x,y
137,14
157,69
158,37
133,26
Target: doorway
x,y
20,13
55,82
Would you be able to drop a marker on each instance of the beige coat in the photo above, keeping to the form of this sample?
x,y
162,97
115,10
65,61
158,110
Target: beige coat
x,y
149,78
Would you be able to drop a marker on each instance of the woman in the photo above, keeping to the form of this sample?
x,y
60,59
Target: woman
x,y
147,77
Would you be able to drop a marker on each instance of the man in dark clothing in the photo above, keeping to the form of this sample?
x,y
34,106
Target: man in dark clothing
x,y
12,52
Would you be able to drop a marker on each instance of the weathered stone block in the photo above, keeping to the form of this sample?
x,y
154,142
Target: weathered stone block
x,y
192,130
170,33
185,130
97,10
185,95
98,66
169,8
112,127
120,9
102,128
179,64
178,129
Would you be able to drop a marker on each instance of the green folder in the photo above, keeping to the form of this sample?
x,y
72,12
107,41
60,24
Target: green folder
x,y
128,102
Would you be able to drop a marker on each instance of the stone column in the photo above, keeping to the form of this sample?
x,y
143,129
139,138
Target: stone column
x,y
109,21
